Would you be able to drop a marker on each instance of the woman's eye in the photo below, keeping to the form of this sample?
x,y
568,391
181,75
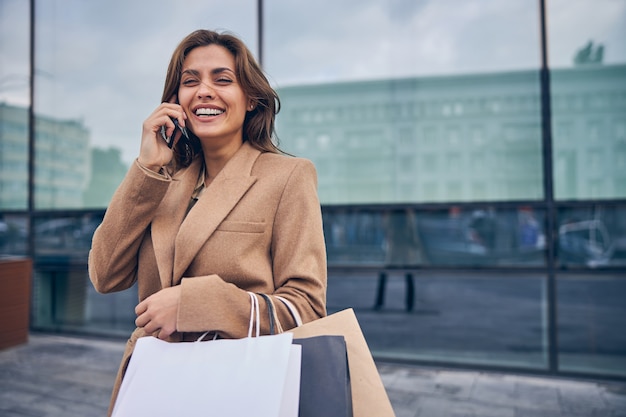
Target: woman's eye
x,y
224,80
189,81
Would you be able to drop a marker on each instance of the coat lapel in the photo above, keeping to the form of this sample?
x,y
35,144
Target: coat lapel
x,y
215,203
169,217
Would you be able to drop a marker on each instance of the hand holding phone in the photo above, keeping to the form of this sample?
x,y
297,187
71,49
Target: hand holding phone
x,y
170,140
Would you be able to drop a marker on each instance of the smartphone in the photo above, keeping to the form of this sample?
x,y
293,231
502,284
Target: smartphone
x,y
170,140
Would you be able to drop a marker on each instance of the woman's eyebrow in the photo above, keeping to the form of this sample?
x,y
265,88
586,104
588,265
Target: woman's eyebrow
x,y
214,71
191,72
220,70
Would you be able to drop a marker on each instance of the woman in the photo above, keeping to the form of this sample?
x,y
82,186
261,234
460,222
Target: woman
x,y
221,213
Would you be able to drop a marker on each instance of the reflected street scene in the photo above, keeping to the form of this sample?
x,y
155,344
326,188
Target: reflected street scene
x,y
451,237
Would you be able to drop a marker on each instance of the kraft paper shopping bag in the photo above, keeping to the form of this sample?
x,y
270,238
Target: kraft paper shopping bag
x,y
369,397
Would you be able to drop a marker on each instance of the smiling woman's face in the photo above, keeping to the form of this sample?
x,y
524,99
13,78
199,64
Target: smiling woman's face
x,y
212,97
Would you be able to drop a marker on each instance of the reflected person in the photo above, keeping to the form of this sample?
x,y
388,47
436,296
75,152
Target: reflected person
x,y
403,250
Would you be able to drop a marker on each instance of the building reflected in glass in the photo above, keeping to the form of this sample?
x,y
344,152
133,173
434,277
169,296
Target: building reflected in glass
x,y
460,138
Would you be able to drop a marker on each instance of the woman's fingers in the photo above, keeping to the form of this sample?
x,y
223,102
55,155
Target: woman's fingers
x,y
158,312
181,116
158,128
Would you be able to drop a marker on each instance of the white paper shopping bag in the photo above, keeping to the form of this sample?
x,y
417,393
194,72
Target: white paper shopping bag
x,y
290,404
228,377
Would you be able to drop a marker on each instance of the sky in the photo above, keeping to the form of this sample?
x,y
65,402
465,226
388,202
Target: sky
x,y
104,62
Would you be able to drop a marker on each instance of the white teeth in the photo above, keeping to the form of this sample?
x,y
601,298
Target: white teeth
x,y
208,112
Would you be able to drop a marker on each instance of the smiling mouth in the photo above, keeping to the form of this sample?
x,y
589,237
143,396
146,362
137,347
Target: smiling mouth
x,y
208,112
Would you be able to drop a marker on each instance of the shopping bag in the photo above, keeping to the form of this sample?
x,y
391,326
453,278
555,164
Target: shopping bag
x,y
324,377
253,376
369,397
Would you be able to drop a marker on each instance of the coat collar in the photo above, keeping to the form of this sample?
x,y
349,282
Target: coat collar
x,y
176,238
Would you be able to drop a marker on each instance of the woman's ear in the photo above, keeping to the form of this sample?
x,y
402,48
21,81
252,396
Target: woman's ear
x,y
251,105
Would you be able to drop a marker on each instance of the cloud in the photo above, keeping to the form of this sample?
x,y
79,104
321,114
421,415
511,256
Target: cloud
x,y
14,44
330,40
104,62
573,23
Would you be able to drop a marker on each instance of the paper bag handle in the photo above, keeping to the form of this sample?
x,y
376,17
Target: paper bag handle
x,y
275,325
292,309
254,311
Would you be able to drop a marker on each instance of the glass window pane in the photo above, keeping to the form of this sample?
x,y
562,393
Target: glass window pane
x,y
99,75
64,241
588,83
374,39
13,235
63,297
65,300
592,236
592,319
416,102
457,317
61,285
14,102
354,237
484,237
451,237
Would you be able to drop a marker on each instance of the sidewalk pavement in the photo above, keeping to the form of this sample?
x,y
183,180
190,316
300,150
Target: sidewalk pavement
x,y
56,376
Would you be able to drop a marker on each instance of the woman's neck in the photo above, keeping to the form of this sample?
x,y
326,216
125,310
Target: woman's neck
x,y
216,159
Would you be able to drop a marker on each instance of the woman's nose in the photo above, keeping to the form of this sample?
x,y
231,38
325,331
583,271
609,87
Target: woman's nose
x,y
205,90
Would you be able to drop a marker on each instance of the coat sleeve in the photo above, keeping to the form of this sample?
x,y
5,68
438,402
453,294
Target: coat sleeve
x,y
298,247
298,257
115,245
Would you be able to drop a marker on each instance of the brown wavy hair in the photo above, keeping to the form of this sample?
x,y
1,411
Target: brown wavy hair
x,y
258,125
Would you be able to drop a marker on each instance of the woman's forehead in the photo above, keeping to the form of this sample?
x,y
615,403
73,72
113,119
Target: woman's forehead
x,y
214,56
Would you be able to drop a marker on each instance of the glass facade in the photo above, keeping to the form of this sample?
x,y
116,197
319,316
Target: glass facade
x,y
454,236
411,104
457,317
591,311
473,208
419,139
592,236
14,100
99,75
589,131
589,127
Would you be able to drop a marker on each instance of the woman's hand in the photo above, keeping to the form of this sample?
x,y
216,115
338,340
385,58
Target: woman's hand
x,y
154,152
159,312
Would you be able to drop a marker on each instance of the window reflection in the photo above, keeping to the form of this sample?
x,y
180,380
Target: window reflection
x,y
13,235
421,95
374,149
592,237
454,237
99,75
64,240
457,316
408,103
586,140
14,100
588,82
591,310
372,39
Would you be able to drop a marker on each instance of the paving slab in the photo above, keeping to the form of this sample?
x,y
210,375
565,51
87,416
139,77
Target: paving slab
x,y
60,376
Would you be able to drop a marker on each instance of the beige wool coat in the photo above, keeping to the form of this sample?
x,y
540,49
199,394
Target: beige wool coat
x,y
256,227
